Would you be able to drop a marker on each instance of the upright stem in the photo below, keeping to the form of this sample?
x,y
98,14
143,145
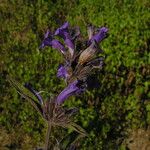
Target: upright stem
x,y
48,136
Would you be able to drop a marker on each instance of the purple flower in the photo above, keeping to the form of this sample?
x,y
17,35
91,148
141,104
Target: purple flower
x,y
78,64
62,72
38,96
63,29
102,34
72,89
50,41
63,32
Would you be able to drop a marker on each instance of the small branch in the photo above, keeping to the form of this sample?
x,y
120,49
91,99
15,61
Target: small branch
x,y
47,136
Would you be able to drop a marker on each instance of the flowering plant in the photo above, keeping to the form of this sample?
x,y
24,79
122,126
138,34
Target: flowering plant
x,y
80,61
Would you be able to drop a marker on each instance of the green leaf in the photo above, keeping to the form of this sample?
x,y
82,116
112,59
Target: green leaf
x,y
26,94
77,128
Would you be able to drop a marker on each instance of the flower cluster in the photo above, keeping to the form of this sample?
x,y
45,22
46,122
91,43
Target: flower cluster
x,y
78,63
78,66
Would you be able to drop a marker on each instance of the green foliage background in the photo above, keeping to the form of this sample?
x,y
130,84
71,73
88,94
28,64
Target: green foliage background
x,y
122,102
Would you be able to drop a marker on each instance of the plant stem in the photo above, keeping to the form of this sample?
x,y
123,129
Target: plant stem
x,y
47,136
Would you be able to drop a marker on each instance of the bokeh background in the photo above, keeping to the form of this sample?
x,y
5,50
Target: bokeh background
x,y
117,114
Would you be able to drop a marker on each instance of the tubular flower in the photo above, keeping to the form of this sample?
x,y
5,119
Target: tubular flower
x,y
50,41
62,72
37,94
102,34
72,89
63,32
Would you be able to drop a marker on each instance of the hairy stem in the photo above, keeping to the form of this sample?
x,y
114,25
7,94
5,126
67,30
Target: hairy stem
x,y
47,136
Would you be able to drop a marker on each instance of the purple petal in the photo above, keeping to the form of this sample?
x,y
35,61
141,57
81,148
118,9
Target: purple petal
x,y
63,32
38,96
102,33
47,34
70,45
63,28
62,72
49,41
72,89
58,45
